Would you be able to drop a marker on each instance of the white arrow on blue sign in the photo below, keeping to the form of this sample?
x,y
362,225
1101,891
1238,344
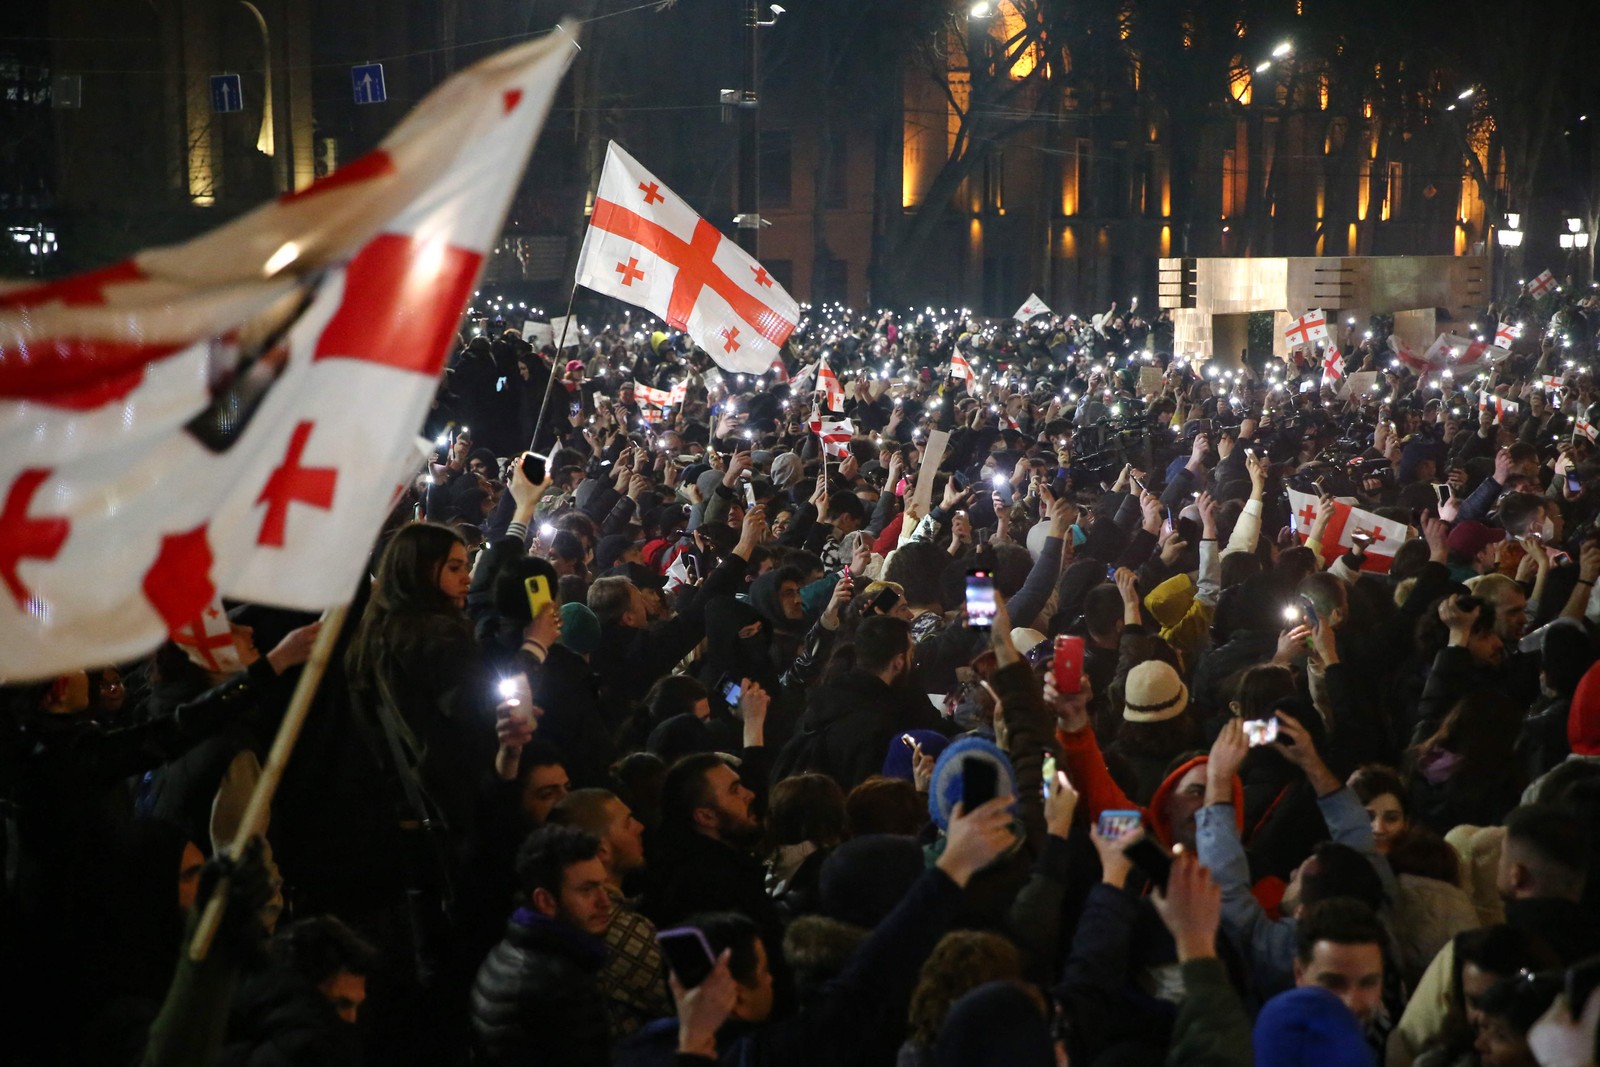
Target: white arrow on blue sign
x,y
226,94
366,81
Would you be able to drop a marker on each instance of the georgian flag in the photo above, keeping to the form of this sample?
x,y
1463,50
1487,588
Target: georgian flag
x,y
1552,382
647,247
1332,366
1031,308
228,417
1544,283
207,639
1583,426
835,434
1505,335
1502,406
828,384
1347,519
960,368
1450,350
1310,327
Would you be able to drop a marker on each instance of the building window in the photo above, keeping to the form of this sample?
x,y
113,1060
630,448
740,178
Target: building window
x,y
838,194
1230,174
831,281
1392,193
994,181
777,168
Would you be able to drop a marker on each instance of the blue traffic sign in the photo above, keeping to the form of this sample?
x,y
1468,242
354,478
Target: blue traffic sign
x,y
226,94
366,81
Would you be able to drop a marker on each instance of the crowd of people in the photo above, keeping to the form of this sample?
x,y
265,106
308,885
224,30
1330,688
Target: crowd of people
x,y
1022,721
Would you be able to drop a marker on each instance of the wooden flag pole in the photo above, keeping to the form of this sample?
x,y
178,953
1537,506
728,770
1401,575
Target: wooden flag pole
x,y
555,369
255,813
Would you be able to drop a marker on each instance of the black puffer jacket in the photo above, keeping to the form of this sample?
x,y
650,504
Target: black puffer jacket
x,y
535,1001
278,1019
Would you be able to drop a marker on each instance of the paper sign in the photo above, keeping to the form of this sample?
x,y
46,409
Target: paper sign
x,y
538,334
1150,381
565,332
1358,383
932,456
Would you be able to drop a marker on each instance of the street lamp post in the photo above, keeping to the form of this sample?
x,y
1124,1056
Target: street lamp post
x,y
1509,238
748,219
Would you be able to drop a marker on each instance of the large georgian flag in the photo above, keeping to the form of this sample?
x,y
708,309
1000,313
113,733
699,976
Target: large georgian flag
x,y
1387,536
647,247
229,416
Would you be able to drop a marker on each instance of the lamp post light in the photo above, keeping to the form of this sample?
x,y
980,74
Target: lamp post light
x,y
1509,238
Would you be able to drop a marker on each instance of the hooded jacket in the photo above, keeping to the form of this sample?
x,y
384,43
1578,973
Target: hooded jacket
x,y
853,718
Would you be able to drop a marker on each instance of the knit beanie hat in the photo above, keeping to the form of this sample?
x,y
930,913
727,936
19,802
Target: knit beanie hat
x,y
580,628
944,791
1154,693
863,879
897,762
1309,1026
994,1025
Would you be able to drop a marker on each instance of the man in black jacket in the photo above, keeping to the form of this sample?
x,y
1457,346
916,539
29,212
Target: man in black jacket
x,y
701,862
535,1000
852,719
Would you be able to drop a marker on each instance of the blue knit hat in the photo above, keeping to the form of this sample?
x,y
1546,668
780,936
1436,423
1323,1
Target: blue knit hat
x,y
1310,1026
944,792
897,761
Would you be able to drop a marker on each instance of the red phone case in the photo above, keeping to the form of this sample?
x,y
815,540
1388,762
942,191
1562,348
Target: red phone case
x,y
1068,664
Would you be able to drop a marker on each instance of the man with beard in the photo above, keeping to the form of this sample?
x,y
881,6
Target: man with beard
x,y
700,858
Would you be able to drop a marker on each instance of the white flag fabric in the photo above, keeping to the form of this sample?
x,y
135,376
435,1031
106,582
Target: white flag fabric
x,y
835,434
1332,366
1031,308
1310,327
229,416
960,368
1506,334
647,247
1544,283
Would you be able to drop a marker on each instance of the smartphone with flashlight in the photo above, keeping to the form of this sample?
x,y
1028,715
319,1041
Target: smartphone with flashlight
x,y
1258,732
538,590
980,783
885,602
533,467
980,601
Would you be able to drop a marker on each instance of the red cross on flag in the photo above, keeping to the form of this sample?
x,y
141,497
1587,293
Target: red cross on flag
x,y
1552,382
1502,406
1310,327
229,417
1347,519
1506,334
1544,283
828,385
647,247
960,368
207,640
835,434
678,393
1332,365
1031,308
1583,426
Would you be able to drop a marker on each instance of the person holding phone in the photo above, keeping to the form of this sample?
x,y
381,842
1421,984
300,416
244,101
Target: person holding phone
x,y
1347,866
